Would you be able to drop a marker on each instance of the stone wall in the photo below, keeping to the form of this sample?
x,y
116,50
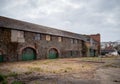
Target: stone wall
x,y
13,50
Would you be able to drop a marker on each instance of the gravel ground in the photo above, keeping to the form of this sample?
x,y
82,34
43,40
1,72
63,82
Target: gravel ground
x,y
110,73
64,71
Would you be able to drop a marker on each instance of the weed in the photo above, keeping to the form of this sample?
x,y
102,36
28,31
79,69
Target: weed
x,y
17,82
36,82
13,74
65,71
112,65
27,73
69,68
54,72
4,82
48,61
2,78
36,69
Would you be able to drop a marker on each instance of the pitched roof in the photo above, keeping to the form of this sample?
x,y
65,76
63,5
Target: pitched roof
x,y
26,26
109,48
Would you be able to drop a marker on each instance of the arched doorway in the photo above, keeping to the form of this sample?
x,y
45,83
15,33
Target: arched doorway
x,y
53,53
1,56
28,54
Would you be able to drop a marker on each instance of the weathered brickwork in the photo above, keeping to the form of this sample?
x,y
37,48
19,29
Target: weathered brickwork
x,y
13,50
96,37
26,41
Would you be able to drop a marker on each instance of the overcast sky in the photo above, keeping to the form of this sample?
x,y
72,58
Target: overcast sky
x,y
79,16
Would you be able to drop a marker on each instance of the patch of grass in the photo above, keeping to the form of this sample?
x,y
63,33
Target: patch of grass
x,y
36,69
46,62
92,59
3,79
65,71
17,82
27,73
49,61
43,62
54,72
69,68
112,65
12,74
36,82
4,82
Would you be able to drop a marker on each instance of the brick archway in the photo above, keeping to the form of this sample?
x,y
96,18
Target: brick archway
x,y
21,49
28,53
55,49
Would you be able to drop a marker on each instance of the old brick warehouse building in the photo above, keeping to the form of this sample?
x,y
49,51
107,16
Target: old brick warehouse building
x,y
26,41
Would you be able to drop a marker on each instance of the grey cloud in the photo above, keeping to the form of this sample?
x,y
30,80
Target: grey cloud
x,y
108,5
80,16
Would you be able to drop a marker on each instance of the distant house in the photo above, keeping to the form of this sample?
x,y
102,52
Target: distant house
x,y
115,53
21,40
109,48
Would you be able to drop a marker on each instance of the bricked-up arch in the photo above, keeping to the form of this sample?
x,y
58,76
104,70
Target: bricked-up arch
x,y
28,53
53,53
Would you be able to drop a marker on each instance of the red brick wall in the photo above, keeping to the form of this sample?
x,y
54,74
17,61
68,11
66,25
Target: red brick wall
x,y
97,38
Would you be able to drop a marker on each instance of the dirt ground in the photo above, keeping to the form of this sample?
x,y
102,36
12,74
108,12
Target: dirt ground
x,y
110,72
63,71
